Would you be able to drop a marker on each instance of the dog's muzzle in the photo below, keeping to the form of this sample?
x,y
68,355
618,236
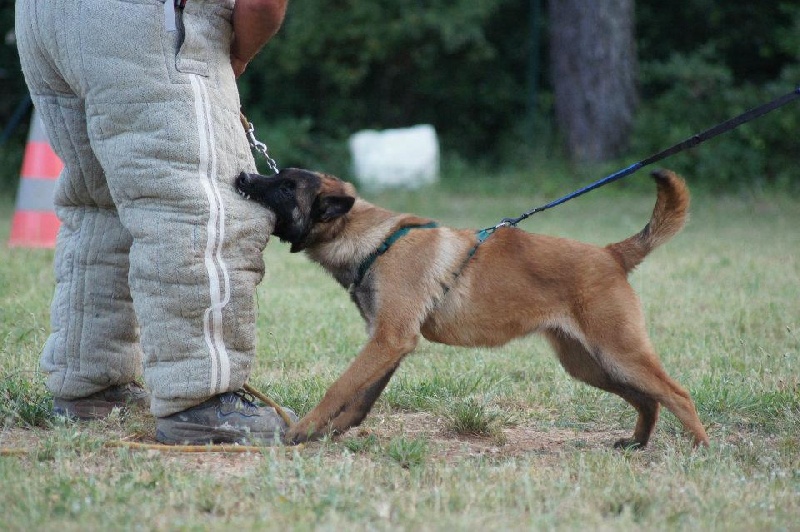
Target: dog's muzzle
x,y
242,184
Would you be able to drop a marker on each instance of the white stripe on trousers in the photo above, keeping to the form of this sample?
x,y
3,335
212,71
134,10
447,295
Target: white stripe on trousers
x,y
215,265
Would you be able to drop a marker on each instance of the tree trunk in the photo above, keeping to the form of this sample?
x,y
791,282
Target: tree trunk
x,y
593,59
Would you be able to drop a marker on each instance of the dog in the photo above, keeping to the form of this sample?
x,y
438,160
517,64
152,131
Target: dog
x,y
410,277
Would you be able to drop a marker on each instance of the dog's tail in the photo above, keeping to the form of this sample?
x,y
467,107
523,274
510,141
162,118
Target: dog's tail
x,y
669,217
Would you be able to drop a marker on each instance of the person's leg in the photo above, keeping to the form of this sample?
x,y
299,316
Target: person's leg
x,y
164,123
162,113
93,345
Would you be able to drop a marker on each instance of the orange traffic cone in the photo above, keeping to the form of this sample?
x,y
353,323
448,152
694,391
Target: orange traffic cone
x,y
35,224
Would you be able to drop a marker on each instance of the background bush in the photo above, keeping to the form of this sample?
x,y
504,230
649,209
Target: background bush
x,y
693,92
478,72
349,65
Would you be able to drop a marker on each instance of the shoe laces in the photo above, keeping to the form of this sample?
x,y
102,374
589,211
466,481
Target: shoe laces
x,y
245,399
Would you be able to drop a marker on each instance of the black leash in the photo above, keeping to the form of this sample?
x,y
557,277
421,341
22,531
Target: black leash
x,y
483,234
688,143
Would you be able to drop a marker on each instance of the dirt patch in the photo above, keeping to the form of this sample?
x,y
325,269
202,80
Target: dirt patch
x,y
509,442
506,443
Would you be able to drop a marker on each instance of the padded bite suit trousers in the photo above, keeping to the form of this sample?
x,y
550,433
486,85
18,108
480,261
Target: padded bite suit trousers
x,y
158,257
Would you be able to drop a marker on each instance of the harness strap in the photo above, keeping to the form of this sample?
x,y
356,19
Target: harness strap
x,y
481,235
367,263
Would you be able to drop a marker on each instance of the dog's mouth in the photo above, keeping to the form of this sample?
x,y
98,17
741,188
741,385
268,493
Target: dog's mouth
x,y
243,185
278,196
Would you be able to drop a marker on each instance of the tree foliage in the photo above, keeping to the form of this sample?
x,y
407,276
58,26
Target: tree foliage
x,y
338,66
351,64
746,54
754,39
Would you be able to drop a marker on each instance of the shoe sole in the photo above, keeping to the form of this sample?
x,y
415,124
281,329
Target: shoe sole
x,y
183,433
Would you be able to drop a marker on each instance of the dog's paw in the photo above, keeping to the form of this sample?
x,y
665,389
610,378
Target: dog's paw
x,y
300,432
293,438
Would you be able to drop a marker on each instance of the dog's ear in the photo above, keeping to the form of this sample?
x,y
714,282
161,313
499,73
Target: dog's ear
x,y
331,207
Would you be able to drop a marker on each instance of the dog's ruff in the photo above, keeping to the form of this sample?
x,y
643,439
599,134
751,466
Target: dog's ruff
x,y
514,284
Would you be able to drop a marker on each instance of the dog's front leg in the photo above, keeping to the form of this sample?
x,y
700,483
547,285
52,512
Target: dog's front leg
x,y
355,412
350,398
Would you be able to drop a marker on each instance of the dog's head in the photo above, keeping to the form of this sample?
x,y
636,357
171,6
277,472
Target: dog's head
x,y
300,199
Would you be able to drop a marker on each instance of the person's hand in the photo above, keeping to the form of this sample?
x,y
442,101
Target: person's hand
x,y
254,23
238,65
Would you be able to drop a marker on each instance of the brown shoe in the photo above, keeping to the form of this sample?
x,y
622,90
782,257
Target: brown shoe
x,y
100,404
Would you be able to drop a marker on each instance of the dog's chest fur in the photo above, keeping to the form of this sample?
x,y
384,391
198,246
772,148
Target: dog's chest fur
x,y
423,267
342,253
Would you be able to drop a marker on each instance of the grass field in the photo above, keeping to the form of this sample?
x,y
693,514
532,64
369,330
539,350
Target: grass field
x,y
461,439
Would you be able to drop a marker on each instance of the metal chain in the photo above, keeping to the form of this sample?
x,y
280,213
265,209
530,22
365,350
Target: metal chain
x,y
257,145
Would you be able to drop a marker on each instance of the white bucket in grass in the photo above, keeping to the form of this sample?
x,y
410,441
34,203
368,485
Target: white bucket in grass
x,y
407,157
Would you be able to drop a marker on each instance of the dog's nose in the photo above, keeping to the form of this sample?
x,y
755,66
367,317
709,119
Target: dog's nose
x,y
243,185
243,179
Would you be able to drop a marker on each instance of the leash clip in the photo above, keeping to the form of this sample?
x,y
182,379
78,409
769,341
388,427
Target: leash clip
x,y
258,145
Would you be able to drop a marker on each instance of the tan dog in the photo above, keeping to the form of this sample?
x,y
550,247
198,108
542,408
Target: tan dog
x,y
409,276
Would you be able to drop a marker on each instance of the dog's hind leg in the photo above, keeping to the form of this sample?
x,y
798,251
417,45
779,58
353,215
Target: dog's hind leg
x,y
629,354
620,347
651,379
581,365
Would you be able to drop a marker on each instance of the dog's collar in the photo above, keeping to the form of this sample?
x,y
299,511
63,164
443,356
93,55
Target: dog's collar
x,y
367,263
